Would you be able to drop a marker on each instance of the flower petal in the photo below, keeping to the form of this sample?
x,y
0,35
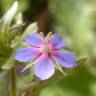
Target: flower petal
x,y
62,44
56,39
66,58
26,54
44,67
34,39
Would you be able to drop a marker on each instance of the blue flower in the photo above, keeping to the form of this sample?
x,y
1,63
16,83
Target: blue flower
x,y
45,54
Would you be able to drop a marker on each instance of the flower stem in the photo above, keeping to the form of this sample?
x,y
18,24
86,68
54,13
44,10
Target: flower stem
x,y
12,82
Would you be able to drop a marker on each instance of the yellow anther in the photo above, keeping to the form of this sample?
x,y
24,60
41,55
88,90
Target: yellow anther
x,y
48,37
41,33
50,33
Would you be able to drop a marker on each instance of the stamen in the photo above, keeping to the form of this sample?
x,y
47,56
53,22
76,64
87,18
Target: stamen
x,y
49,34
57,65
48,37
46,45
41,33
31,63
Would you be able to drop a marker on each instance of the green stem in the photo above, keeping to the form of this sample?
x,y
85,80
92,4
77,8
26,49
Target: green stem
x,y
12,82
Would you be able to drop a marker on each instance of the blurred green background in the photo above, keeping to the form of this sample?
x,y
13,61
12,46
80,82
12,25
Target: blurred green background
x,y
75,20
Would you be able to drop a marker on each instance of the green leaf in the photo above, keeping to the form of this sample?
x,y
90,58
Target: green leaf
x,y
82,60
19,18
9,63
16,28
32,28
8,17
6,21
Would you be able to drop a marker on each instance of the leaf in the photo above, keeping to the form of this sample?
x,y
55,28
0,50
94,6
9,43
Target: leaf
x,y
32,28
6,21
16,28
9,63
82,60
8,17
19,18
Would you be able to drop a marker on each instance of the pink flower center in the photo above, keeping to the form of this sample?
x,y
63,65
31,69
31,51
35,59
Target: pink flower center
x,y
46,46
